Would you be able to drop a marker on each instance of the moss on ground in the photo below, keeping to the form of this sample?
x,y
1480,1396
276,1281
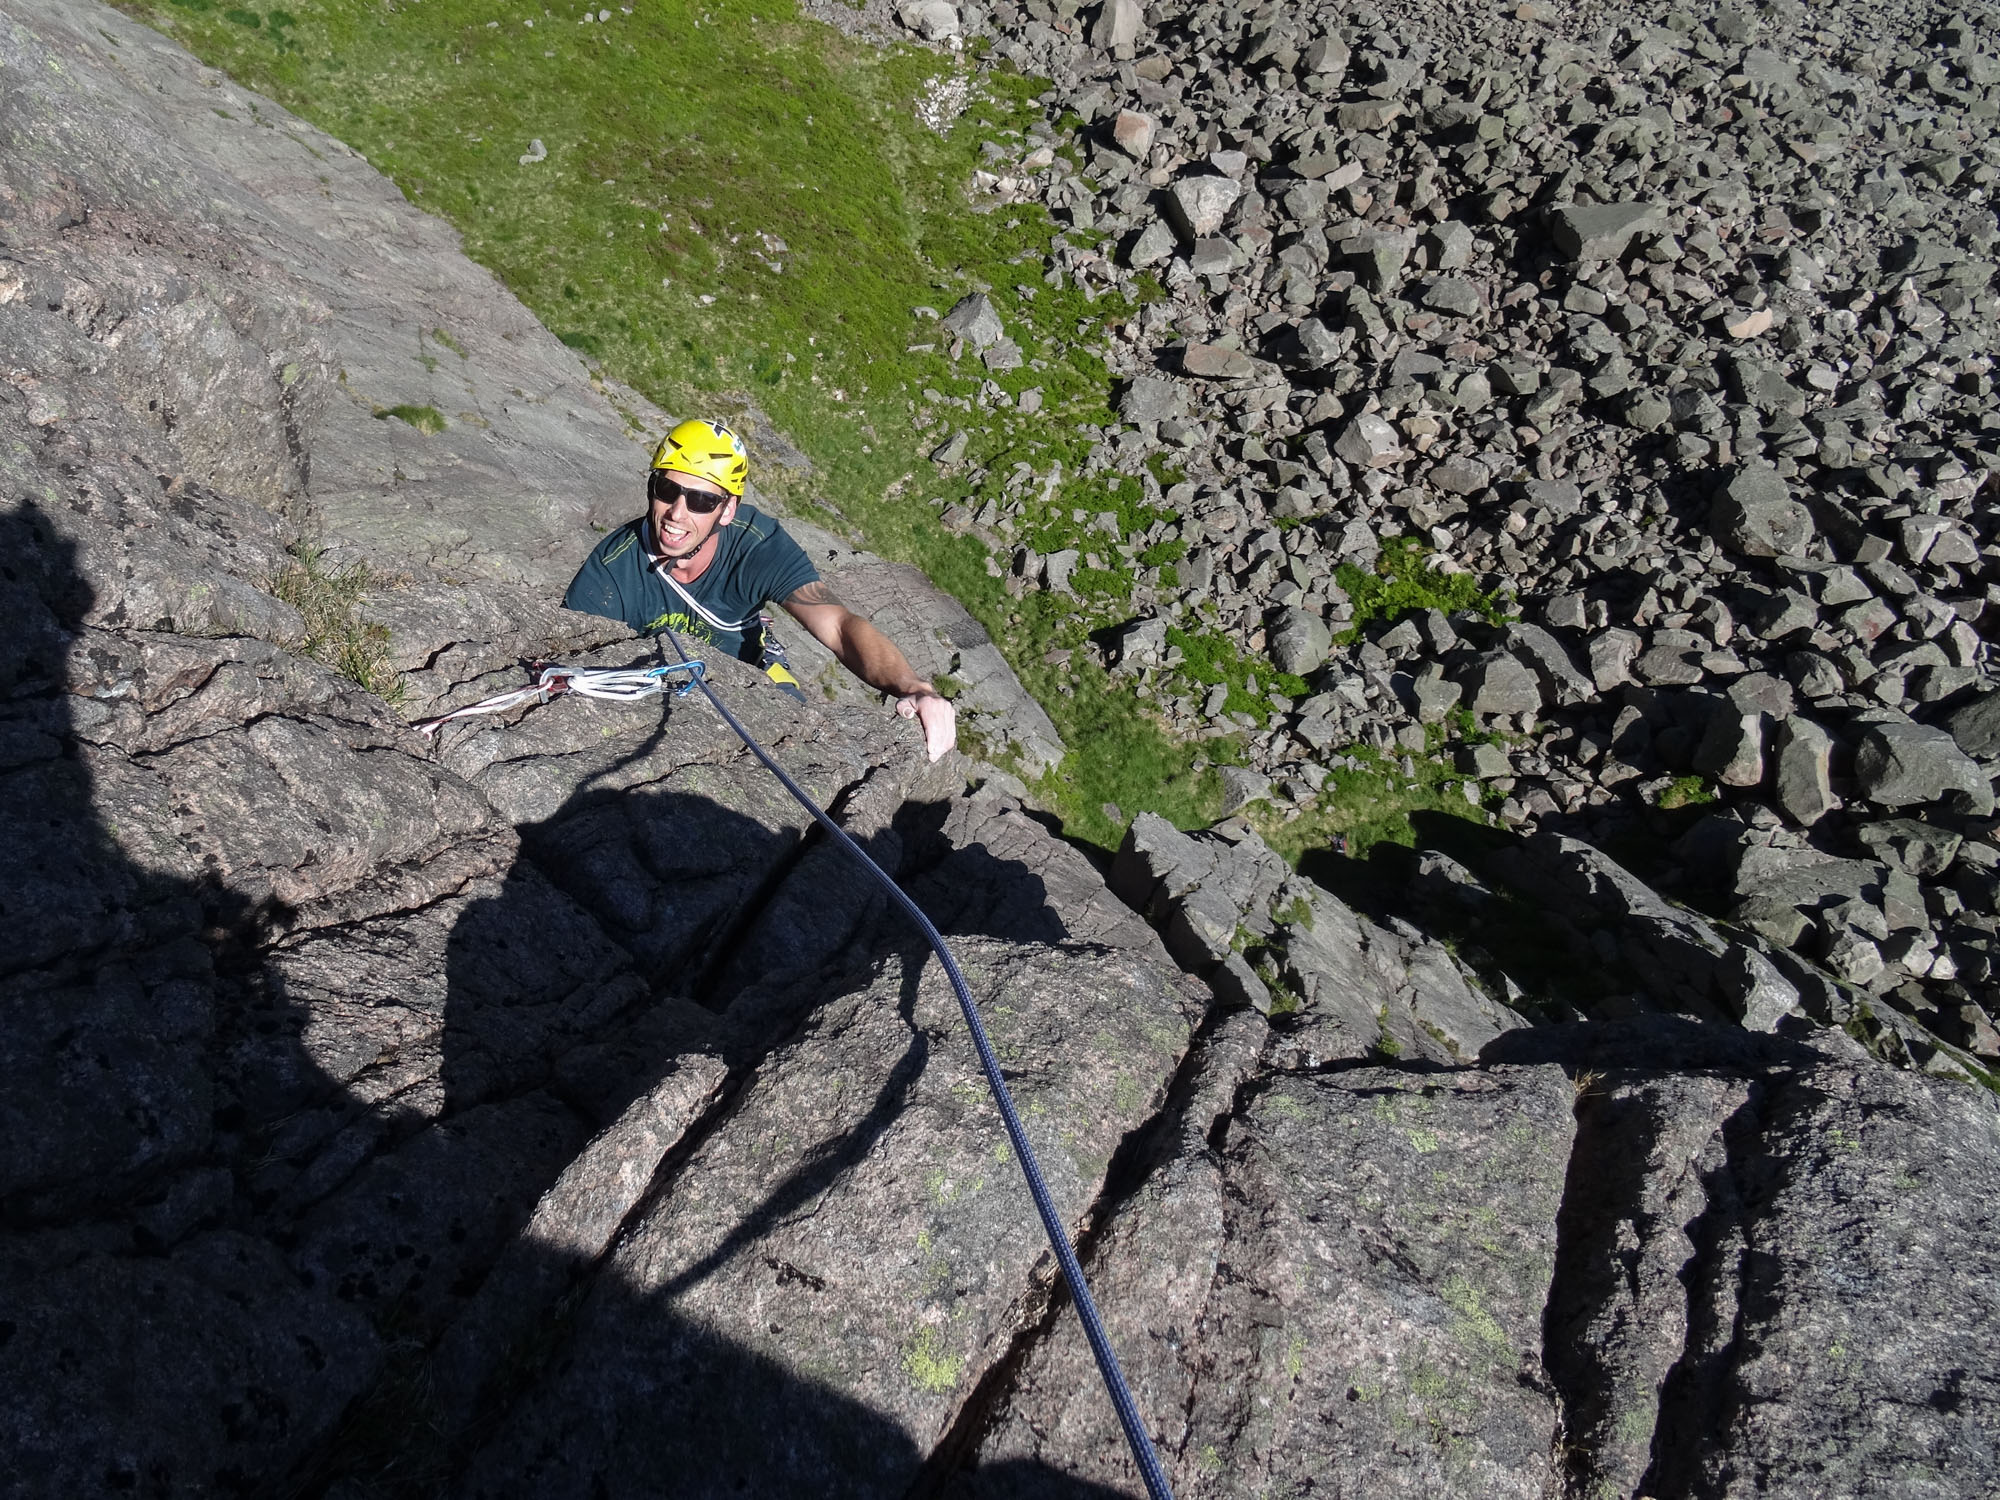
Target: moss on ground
x,y
1404,581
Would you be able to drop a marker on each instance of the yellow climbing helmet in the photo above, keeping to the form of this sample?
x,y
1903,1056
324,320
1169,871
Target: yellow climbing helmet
x,y
707,450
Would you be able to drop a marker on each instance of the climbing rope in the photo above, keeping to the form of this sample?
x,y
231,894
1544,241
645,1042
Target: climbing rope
x,y
1024,1153
618,684
633,683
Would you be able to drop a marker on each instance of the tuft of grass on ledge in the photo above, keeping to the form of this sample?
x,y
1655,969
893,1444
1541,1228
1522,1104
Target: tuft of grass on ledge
x,y
357,649
423,418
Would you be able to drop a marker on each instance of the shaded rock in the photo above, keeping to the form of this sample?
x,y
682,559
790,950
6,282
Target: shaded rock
x,y
1899,765
1755,514
1732,748
1917,848
1975,727
1546,657
1802,784
1679,957
1600,231
905,1274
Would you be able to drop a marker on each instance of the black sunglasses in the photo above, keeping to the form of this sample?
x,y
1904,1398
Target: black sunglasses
x,y
665,490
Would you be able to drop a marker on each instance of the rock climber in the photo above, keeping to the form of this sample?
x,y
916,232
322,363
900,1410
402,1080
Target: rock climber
x,y
703,564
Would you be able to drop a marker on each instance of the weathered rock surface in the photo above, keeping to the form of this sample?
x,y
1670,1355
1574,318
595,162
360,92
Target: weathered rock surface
x,y
549,1110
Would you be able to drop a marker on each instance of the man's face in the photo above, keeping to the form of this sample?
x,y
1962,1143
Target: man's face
x,y
678,529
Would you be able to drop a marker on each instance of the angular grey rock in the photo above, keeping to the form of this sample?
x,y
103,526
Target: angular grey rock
x,y
1381,254
1157,864
1545,656
1299,642
1460,477
1215,362
1732,748
1803,783
1436,694
952,449
1155,243
1613,655
1755,515
1916,848
1318,343
1116,29
1142,643
1454,241
1242,786
1600,231
1214,256
1485,761
1683,962
1198,205
1673,658
1004,354
1151,398
1237,984
1975,727
1453,294
1498,684
1326,55
933,20
1901,765
975,319
1369,442
1133,132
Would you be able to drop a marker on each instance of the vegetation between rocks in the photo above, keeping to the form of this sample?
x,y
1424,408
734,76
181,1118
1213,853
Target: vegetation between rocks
x,y
357,649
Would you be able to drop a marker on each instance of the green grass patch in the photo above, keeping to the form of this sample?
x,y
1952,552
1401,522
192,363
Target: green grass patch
x,y
357,649
1685,791
1369,806
423,418
1404,581
1214,660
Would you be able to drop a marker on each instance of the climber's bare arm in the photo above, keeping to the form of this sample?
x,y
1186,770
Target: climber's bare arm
x,y
873,657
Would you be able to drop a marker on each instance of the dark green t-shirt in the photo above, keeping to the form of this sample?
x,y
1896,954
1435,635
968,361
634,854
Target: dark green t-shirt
x,y
755,561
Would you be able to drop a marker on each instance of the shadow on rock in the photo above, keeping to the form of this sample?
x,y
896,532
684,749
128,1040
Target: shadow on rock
x,y
155,1337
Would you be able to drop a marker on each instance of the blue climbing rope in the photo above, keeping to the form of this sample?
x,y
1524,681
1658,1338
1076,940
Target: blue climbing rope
x,y
1086,1309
